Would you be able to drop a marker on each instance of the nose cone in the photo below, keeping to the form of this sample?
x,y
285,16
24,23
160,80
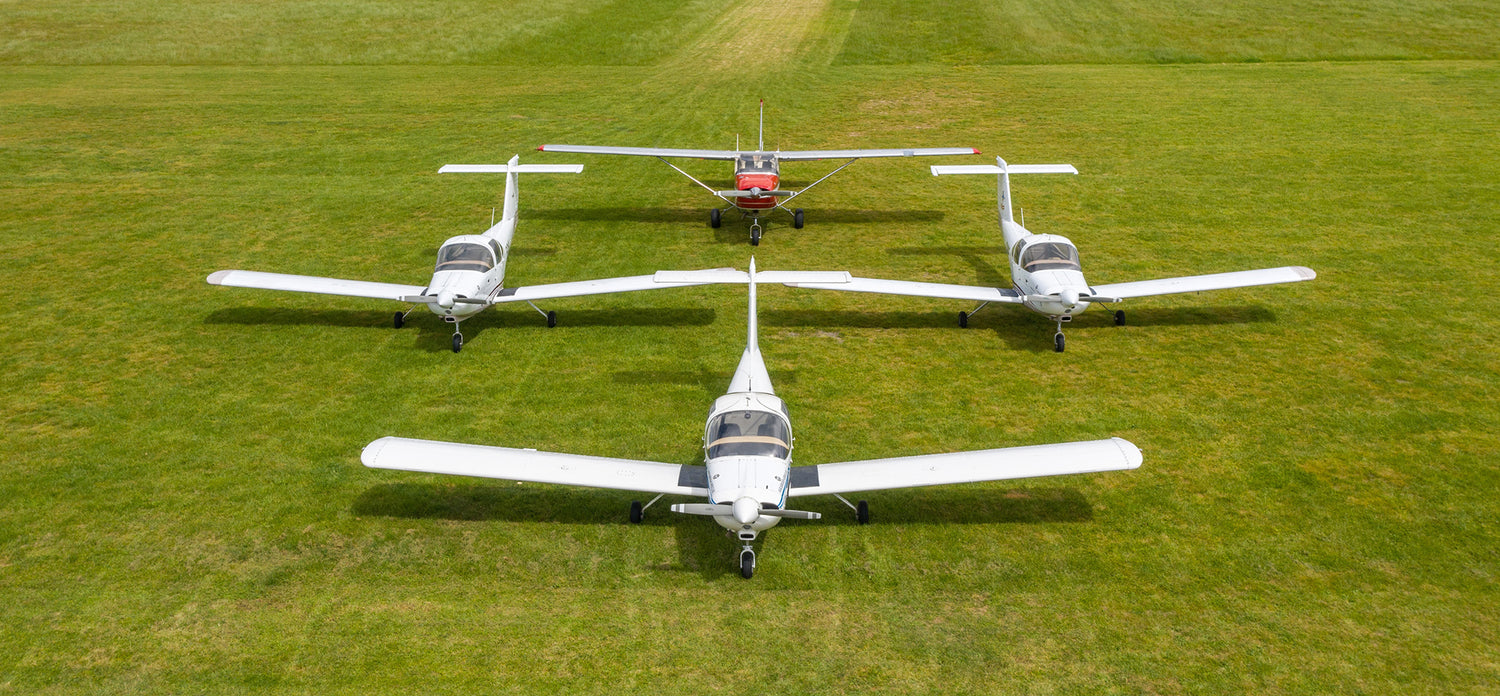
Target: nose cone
x,y
746,510
1070,297
445,300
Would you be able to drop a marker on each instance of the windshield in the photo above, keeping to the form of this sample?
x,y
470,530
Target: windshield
x,y
754,164
465,257
753,433
1050,256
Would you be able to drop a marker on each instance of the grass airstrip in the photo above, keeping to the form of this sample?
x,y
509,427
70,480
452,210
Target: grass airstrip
x,y
182,508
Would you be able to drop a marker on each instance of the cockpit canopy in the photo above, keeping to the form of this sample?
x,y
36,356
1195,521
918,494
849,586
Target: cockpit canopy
x,y
748,433
755,164
1050,256
465,257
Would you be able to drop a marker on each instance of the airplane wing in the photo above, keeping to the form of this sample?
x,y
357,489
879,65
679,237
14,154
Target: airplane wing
x,y
598,287
530,465
323,286
907,287
1216,281
803,155
1087,457
641,151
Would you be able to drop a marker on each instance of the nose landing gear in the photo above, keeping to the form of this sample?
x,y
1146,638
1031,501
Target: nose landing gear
x,y
747,561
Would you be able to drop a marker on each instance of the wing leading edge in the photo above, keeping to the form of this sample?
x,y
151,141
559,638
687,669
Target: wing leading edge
x,y
1087,457
510,464
313,284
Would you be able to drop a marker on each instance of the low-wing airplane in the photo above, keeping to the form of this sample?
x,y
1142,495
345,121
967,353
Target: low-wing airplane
x,y
748,474
757,173
470,270
1045,270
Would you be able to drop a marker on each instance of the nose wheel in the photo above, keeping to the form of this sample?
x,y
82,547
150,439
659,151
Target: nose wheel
x,y
1058,342
755,233
747,562
458,341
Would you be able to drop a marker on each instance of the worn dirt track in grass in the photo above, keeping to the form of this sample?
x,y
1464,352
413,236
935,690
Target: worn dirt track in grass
x,y
752,37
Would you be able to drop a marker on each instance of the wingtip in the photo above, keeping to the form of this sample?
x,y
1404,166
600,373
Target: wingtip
x,y
217,277
977,152
371,453
1133,457
541,148
1305,272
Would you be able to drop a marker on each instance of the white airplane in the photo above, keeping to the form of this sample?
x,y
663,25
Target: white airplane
x,y
757,173
1045,270
748,474
470,270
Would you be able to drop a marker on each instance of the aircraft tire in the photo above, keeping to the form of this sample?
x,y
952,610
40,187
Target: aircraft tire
x,y
797,219
636,512
714,218
963,320
747,564
458,342
862,512
400,319
551,319
755,235
1058,343
1119,317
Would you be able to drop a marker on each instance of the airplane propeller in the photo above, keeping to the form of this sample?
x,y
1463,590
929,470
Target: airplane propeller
x,y
722,510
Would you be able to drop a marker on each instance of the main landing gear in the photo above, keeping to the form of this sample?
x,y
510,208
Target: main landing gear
x,y
861,511
797,219
715,218
1119,317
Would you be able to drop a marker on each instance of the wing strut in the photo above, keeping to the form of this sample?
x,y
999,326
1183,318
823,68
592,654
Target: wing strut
x,y
710,189
815,183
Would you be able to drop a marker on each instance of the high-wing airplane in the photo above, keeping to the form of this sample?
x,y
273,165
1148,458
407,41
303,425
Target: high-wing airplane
x,y
748,475
757,173
1045,270
470,268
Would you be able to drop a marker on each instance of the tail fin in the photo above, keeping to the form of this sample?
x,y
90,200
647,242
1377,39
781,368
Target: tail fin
x,y
1002,183
751,375
761,140
507,225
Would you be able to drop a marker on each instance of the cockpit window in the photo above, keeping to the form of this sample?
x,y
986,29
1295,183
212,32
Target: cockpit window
x,y
1050,256
747,433
465,257
754,164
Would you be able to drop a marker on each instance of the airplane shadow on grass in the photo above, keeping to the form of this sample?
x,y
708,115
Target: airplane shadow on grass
x,y
1020,328
703,546
712,382
434,335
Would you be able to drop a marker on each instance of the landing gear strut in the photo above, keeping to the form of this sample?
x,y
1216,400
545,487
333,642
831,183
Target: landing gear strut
x,y
747,562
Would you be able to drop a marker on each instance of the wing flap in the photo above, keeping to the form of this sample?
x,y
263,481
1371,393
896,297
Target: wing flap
x,y
313,284
1087,457
1200,283
510,464
916,289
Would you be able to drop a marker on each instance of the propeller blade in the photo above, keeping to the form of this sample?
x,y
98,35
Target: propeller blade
x,y
702,509
793,514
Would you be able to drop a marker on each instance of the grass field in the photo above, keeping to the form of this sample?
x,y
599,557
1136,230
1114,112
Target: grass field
x,y
183,506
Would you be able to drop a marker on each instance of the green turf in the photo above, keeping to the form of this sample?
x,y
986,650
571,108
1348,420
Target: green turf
x,y
184,511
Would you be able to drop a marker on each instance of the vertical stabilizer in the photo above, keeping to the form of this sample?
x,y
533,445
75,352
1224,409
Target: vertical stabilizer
x,y
1002,193
512,189
751,375
761,139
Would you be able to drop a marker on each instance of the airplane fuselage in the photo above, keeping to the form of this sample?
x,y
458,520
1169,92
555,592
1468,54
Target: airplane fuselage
x,y
747,448
468,266
756,171
1044,267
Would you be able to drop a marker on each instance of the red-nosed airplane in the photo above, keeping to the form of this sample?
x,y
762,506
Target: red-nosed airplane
x,y
757,173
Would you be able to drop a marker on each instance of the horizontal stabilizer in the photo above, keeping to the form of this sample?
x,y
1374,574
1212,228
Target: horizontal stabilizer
x,y
976,293
313,284
508,168
753,194
730,275
938,170
528,465
1200,283
966,467
580,288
